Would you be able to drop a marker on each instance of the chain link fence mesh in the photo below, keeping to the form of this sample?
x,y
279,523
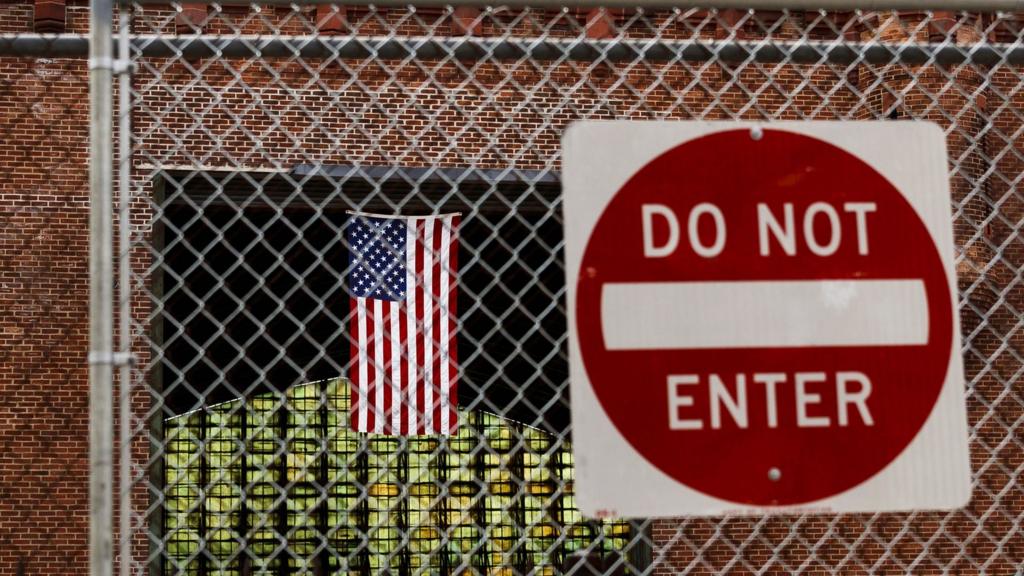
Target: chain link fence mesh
x,y
256,128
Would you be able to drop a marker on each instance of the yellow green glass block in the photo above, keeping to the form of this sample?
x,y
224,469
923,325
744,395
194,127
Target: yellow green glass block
x,y
382,516
298,419
338,400
221,521
265,403
182,427
568,512
491,461
464,537
502,570
383,543
302,467
420,465
502,488
497,434
305,398
183,543
383,446
301,567
541,489
384,564
424,540
342,497
564,460
420,513
384,490
263,443
348,537
223,497
465,439
181,451
537,440
460,468
304,441
181,497
580,531
191,569
301,541
175,521
263,542
617,529
302,505
458,510
540,528
463,489
426,490
421,444
543,531
500,537
221,542
343,444
263,496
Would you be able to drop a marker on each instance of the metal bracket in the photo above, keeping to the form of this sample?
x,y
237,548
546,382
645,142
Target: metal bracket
x,y
116,66
111,358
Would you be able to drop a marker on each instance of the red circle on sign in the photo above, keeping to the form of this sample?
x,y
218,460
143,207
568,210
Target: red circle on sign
x,y
760,464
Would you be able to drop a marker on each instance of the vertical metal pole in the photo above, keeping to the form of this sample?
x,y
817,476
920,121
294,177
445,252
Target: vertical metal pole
x,y
124,283
100,291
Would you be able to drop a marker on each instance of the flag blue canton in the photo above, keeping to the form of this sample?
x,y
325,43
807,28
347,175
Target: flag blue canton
x,y
377,259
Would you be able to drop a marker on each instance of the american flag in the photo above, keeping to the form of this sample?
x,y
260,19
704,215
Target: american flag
x,y
402,286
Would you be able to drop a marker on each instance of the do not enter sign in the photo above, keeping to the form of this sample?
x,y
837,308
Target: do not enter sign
x,y
762,317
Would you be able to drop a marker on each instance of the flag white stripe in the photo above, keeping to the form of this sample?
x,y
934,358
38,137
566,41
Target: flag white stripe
x,y
428,323
396,366
378,366
412,326
445,316
363,384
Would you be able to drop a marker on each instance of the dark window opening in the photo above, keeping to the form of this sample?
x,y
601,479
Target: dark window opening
x,y
253,282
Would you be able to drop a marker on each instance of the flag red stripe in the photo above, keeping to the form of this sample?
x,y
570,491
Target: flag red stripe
x,y
403,366
421,378
385,367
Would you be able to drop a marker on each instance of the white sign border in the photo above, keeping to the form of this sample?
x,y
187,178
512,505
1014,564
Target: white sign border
x,y
599,157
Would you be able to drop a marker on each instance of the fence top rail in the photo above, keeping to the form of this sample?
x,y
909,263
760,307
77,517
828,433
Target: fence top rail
x,y
482,48
844,5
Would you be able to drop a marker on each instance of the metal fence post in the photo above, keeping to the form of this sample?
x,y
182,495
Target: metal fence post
x,y
100,290
124,295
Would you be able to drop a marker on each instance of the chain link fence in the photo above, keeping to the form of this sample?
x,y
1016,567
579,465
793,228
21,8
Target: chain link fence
x,y
256,129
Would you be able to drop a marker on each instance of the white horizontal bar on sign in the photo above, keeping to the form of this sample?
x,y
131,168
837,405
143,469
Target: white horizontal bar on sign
x,y
763,314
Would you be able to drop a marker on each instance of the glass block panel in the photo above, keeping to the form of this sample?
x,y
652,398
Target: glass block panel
x,y
281,481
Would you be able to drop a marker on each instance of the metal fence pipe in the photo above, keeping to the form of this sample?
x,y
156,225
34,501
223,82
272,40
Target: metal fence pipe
x,y
862,5
539,49
124,286
100,291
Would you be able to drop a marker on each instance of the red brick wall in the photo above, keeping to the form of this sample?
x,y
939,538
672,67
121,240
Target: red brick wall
x,y
44,303
252,115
